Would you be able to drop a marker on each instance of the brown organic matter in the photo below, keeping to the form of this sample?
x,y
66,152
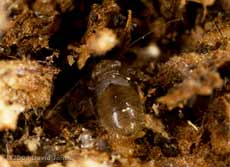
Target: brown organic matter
x,y
115,83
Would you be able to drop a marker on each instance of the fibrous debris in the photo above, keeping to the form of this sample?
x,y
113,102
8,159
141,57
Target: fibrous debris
x,y
30,31
201,82
98,44
24,85
195,74
98,39
87,158
217,121
190,79
214,35
176,69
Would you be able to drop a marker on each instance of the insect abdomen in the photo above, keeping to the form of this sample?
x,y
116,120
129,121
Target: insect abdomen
x,y
118,105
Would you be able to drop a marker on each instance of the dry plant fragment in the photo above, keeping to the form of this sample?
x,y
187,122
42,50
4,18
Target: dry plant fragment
x,y
97,44
4,162
4,21
218,34
204,2
176,69
30,30
225,4
9,115
24,85
55,165
219,58
98,39
191,74
217,121
182,161
186,136
102,41
156,125
201,82
152,51
214,35
87,159
32,144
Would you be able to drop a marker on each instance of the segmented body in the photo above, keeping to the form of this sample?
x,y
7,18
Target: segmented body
x,y
118,105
